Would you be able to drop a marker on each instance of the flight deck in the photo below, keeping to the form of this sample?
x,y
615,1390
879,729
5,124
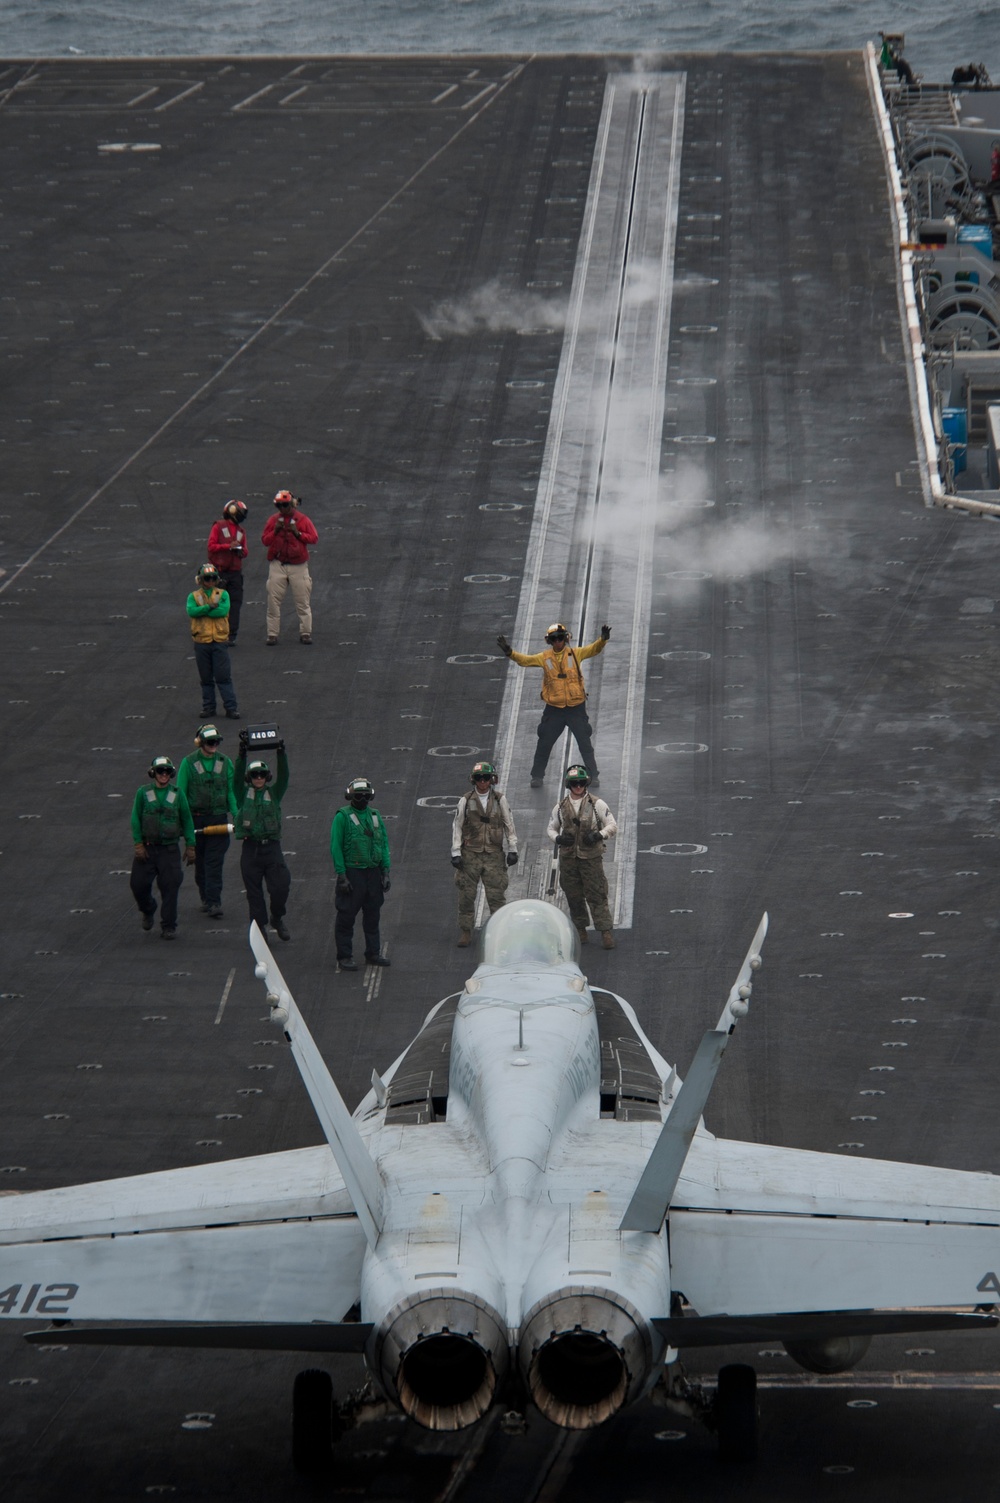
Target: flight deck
x,y
533,338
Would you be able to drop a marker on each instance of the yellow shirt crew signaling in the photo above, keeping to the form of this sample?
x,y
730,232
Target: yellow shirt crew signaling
x,y
562,680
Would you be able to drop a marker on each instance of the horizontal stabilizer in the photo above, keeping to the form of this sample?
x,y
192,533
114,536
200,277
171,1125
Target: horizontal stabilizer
x,y
658,1181
347,1337
361,1175
687,1331
280,1273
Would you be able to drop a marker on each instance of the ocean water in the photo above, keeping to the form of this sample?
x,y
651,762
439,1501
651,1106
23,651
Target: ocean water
x,y
938,37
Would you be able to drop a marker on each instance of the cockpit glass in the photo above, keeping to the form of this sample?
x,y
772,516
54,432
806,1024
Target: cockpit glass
x,y
529,933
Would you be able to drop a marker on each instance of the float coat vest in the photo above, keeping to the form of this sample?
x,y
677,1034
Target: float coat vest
x,y
260,817
161,822
482,830
208,786
580,824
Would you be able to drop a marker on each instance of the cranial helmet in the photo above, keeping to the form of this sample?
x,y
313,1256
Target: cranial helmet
x,y
284,498
258,767
208,574
577,774
483,770
161,764
207,733
359,793
556,630
236,510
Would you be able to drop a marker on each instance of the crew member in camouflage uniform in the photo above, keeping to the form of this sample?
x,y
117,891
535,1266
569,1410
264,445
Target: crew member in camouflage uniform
x,y
482,820
580,826
359,846
160,819
205,777
258,826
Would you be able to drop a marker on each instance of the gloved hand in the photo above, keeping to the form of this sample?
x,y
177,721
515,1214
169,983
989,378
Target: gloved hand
x,y
504,646
386,884
140,850
189,855
279,746
244,740
566,840
344,887
605,632
456,862
511,858
592,837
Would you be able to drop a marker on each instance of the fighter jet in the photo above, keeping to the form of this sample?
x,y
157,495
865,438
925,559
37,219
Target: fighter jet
x,y
526,1208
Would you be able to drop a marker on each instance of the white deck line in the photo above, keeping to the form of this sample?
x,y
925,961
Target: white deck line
x,y
602,456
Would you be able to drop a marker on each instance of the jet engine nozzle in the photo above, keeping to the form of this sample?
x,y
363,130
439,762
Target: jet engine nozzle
x,y
442,1355
584,1353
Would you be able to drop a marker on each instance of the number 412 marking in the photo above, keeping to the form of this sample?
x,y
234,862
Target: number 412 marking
x,y
52,1302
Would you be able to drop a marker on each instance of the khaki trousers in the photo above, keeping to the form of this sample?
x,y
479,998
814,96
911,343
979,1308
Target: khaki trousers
x,y
279,577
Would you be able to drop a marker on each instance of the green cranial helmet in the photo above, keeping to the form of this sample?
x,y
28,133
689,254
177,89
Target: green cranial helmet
x,y
258,769
576,774
208,574
483,770
359,792
161,764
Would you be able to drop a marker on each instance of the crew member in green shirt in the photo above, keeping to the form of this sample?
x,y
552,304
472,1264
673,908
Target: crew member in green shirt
x,y
360,850
258,826
205,777
160,819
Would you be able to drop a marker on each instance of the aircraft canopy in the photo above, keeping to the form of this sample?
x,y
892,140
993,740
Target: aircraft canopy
x,y
529,934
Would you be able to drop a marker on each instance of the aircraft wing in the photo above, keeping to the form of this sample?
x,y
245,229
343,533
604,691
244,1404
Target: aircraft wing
x,y
762,1231
272,1239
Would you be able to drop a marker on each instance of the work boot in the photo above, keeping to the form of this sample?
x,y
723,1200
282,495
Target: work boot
x,y
377,960
608,939
280,928
583,936
537,782
214,910
464,939
346,963
147,920
168,933
306,639
232,715
271,642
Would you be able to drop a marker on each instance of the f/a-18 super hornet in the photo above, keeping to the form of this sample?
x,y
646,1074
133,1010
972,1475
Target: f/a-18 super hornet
x,y
526,1207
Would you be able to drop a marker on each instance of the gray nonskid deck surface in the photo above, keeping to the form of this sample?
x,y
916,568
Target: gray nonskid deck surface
x,y
257,303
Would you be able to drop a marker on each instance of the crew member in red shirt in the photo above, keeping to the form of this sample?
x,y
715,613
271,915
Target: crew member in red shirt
x,y
227,548
288,536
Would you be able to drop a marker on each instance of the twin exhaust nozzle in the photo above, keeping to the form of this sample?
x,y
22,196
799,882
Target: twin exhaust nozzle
x,y
582,1354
